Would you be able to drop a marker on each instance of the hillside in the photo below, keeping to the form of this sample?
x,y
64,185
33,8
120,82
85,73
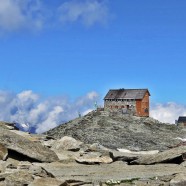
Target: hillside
x,y
120,131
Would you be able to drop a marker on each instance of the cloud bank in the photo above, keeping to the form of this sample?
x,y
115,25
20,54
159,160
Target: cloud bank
x,y
18,15
34,112
31,111
168,112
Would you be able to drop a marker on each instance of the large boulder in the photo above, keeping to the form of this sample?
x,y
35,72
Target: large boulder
x,y
174,155
33,150
67,143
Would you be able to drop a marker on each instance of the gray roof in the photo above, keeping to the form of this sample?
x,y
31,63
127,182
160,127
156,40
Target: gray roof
x,y
126,94
182,119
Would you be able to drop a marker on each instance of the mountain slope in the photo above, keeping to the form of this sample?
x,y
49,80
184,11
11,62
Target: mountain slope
x,y
120,131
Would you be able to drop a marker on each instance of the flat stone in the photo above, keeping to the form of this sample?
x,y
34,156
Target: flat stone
x,y
149,182
67,143
168,156
123,156
104,172
3,152
48,182
179,180
26,147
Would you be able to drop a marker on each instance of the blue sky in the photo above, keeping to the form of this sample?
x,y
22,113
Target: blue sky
x,y
76,47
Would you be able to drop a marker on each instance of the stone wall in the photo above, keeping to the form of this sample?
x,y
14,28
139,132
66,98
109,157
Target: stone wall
x,y
120,105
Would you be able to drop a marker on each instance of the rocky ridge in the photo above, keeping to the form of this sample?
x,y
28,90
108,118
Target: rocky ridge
x,y
42,160
121,131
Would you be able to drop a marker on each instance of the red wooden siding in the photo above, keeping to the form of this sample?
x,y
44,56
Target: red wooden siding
x,y
142,106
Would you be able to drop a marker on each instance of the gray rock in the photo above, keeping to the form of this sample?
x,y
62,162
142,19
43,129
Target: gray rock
x,y
174,155
97,147
10,162
26,147
38,171
179,180
66,156
93,158
20,178
48,143
3,152
67,143
48,182
121,156
6,125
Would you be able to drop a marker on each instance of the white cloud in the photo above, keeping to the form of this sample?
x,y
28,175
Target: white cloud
x,y
168,112
28,108
87,111
19,14
88,12
16,15
92,95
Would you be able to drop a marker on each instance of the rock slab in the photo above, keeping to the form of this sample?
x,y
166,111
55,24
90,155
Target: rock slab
x,y
26,147
48,182
169,156
104,172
